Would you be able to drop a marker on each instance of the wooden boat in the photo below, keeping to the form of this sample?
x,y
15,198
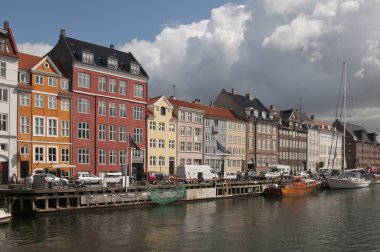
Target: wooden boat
x,y
295,185
5,216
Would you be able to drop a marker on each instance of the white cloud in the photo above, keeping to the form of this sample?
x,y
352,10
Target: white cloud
x,y
38,49
351,5
326,10
283,7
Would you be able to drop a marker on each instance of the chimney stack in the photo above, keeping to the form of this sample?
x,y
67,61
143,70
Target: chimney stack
x,y
312,117
112,46
6,25
63,33
249,96
273,107
233,91
197,101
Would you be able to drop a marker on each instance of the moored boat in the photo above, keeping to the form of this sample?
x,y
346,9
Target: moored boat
x,y
295,185
375,179
5,216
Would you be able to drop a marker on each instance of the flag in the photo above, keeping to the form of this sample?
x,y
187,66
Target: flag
x,y
220,147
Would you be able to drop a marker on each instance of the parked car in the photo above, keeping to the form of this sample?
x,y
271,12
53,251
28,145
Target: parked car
x,y
113,177
87,178
157,177
51,178
249,175
230,176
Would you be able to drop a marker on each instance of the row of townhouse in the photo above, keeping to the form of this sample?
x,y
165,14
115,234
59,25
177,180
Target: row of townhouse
x,y
85,108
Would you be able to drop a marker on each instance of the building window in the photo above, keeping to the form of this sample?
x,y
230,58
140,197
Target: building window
x,y
112,133
152,161
182,115
38,101
198,118
24,125
161,161
197,147
83,156
135,69
112,107
102,156
182,130
52,102
87,57
189,146
24,150
161,126
137,113
122,134
3,45
84,80
84,106
102,131
207,123
39,154
122,110
52,154
152,125
182,161
64,84
138,90
188,161
102,107
52,127
171,127
189,131
65,128
65,104
52,82
65,155
83,130
39,79
3,95
24,99
102,84
137,135
182,146
39,126
189,116
123,88
122,157
112,86
112,63
163,111
171,144
161,143
112,158
152,143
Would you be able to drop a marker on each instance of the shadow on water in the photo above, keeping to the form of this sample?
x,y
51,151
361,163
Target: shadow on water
x,y
344,220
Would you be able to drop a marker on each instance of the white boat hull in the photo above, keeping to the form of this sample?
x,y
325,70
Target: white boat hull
x,y
5,217
347,183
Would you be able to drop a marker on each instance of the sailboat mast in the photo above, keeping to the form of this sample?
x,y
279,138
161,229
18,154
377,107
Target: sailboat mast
x,y
345,111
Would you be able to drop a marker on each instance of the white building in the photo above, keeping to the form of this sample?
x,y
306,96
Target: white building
x,y
8,105
312,149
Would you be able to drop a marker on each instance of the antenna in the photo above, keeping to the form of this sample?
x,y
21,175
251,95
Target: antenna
x,y
300,107
173,90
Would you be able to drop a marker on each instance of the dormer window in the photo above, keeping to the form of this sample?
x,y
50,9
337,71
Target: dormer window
x,y
112,63
135,68
64,84
87,57
3,45
24,77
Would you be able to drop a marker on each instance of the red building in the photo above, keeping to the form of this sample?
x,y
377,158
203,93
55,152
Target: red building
x,y
109,105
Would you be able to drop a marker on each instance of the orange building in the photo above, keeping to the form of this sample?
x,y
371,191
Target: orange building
x,y
44,117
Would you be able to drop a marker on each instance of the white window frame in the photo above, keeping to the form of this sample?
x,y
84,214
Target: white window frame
x,y
52,102
152,161
43,154
35,125
84,80
102,132
138,135
65,104
48,126
24,126
84,131
102,108
152,125
112,109
84,155
84,106
112,84
123,87
24,150
24,99
102,84
39,100
39,80
52,82
122,133
65,128
137,113
112,133
122,110
48,154
138,90
65,154
4,97
112,157
102,159
3,69
64,84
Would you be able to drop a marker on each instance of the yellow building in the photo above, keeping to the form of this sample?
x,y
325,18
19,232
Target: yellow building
x,y
162,137
236,145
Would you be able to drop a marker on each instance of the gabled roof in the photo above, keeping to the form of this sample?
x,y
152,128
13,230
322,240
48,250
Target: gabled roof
x,y
28,61
152,101
185,104
357,132
101,55
322,123
211,111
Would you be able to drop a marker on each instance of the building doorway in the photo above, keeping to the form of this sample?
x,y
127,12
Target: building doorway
x,y
24,169
171,165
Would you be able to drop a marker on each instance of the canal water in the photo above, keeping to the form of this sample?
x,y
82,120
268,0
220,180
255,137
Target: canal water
x,y
343,220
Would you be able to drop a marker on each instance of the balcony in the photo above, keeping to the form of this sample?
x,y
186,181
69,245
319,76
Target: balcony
x,y
215,128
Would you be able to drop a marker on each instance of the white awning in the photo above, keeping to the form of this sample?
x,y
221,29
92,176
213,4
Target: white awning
x,y
62,166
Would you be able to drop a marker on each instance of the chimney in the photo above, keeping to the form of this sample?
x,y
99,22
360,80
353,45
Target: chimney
x,y
6,25
249,96
63,33
233,91
112,46
172,97
273,107
197,101
211,104
312,117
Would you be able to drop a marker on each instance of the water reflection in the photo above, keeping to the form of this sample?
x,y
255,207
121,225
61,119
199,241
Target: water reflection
x,y
325,221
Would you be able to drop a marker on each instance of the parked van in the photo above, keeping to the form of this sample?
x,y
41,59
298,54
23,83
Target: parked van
x,y
113,177
196,172
277,170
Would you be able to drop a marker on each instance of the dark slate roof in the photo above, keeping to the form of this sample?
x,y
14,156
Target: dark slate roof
x,y
244,102
359,133
101,54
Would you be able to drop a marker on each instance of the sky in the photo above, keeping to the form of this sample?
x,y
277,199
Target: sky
x,y
287,53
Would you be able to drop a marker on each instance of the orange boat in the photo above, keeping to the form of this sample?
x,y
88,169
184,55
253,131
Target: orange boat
x,y
291,186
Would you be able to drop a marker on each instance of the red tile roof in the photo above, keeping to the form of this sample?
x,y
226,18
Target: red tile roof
x,y
321,123
153,100
185,104
27,61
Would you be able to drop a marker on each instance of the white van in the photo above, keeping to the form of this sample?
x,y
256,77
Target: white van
x,y
199,172
277,170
